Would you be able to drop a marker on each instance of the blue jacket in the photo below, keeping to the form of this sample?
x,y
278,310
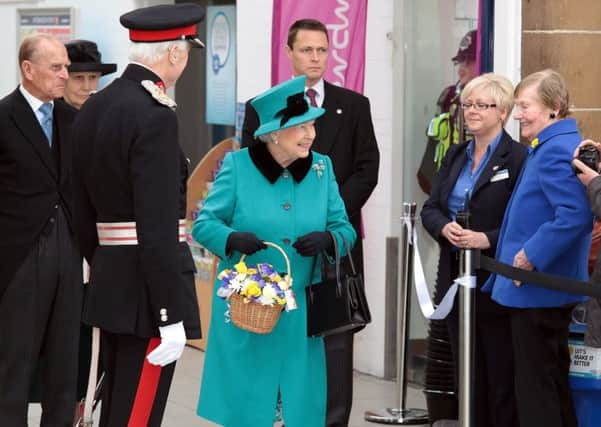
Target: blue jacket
x,y
549,216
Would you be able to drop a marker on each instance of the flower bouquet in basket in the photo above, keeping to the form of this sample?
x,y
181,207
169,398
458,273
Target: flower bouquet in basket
x,y
256,294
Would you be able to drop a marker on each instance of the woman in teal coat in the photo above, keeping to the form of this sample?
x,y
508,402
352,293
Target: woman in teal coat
x,y
279,191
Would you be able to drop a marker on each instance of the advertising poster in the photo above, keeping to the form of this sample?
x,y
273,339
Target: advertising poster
x,y
345,20
221,65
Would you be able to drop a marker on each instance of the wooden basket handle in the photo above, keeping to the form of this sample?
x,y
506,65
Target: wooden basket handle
x,y
273,245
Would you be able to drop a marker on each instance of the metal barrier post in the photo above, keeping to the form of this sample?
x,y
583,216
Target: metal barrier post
x,y
467,305
400,415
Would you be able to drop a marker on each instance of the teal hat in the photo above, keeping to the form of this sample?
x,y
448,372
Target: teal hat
x,y
284,106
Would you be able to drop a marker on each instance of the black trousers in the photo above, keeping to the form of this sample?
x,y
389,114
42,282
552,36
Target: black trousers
x,y
134,392
542,364
494,394
40,313
339,364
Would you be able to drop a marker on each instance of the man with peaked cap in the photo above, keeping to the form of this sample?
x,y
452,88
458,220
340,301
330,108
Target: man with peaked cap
x,y
130,200
85,70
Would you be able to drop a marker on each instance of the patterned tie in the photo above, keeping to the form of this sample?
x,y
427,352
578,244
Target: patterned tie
x,y
312,93
46,121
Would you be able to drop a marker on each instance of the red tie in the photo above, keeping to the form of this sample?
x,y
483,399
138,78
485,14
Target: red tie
x,y
312,93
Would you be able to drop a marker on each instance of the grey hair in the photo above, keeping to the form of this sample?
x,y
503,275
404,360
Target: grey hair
x,y
151,53
267,137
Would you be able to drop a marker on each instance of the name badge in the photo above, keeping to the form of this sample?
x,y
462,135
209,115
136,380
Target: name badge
x,y
500,175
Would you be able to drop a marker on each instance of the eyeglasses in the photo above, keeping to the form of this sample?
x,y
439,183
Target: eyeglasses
x,y
478,106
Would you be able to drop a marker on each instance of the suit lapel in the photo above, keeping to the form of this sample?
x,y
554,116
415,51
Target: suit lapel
x,y
27,123
495,163
327,125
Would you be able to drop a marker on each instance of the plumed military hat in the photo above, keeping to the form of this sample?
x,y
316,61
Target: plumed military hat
x,y
164,22
284,106
467,47
85,57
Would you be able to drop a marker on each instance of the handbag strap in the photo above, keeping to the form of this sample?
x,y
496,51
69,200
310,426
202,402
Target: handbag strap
x,y
348,253
336,256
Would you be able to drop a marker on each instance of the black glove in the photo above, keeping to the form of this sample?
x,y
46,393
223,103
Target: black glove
x,y
244,242
313,243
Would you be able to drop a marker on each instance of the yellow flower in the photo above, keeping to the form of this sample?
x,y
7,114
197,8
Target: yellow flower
x,y
251,271
240,267
280,301
252,290
534,143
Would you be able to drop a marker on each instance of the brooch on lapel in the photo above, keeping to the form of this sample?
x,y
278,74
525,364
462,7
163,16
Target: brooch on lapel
x,y
158,94
319,167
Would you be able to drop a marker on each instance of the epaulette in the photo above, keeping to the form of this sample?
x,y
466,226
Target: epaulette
x,y
158,94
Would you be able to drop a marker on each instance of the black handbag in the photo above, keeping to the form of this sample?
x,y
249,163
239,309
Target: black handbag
x,y
338,303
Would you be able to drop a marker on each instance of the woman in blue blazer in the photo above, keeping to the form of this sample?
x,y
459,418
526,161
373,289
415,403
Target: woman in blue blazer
x,y
278,191
484,172
547,228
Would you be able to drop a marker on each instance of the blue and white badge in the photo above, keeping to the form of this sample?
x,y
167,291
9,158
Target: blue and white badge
x,y
500,175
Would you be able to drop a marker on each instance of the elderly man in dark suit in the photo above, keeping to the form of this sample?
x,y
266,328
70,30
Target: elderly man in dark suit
x,y
346,134
40,272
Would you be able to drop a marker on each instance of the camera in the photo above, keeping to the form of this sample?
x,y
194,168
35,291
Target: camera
x,y
588,155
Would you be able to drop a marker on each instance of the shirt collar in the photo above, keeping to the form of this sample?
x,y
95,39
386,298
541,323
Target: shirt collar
x,y
272,170
489,149
33,102
319,88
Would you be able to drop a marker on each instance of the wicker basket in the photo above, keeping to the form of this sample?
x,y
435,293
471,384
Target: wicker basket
x,y
253,316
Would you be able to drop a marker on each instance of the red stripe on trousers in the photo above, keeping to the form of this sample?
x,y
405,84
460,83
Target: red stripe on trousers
x,y
146,391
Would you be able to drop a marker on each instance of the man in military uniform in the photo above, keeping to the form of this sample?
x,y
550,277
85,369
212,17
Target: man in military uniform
x,y
130,197
447,125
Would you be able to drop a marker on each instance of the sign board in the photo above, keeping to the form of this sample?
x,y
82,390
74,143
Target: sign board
x,y
56,21
585,361
221,65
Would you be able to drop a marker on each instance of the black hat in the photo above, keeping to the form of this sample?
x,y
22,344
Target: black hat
x,y
164,23
467,47
84,56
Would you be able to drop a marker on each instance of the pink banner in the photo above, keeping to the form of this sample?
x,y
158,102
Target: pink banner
x,y
345,21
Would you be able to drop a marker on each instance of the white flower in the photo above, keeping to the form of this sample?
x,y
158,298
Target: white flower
x,y
224,293
265,300
237,284
269,292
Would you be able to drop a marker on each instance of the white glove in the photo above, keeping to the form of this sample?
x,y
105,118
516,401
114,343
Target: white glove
x,y
173,340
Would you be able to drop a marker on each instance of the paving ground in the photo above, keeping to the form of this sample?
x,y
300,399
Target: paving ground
x,y
370,393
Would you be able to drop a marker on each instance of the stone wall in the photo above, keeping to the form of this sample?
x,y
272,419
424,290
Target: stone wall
x,y
566,35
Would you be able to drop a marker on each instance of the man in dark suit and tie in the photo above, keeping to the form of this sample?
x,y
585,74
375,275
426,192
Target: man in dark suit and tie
x,y
40,271
345,133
